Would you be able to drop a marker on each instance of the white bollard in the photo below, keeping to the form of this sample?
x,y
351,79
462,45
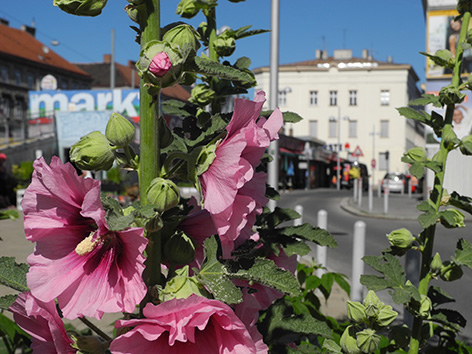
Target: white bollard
x,y
379,190
321,251
359,193
386,199
354,187
409,188
358,251
371,197
299,210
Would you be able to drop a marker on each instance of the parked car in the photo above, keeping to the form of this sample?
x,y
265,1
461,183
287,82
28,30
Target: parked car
x,y
397,182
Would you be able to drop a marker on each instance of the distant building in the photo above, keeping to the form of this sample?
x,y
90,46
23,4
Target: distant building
x,y
359,93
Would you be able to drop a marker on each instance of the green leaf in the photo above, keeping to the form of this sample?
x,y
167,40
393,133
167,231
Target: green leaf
x,y
279,216
298,247
242,63
451,218
428,219
214,275
466,145
442,58
461,202
420,116
10,331
310,233
115,217
283,320
375,283
179,108
289,117
438,296
449,318
209,67
463,254
417,169
6,301
9,214
340,279
12,274
332,347
426,99
265,272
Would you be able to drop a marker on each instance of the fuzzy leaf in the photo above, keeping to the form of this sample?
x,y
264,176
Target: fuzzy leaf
x,y
426,99
9,214
420,116
451,218
450,318
289,117
428,219
438,296
298,247
209,67
310,233
12,274
466,145
214,275
461,202
115,217
463,254
280,215
442,58
6,301
265,272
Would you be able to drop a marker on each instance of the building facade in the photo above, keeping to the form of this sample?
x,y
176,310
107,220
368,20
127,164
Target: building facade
x,y
350,103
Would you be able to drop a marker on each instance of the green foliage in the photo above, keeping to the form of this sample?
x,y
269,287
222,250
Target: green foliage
x,y
6,301
9,214
13,274
22,173
116,219
13,336
289,117
463,254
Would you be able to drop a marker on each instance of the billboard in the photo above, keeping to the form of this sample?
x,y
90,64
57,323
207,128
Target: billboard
x,y
443,33
45,103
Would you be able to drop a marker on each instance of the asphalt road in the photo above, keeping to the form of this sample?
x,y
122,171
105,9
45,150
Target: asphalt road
x,y
341,226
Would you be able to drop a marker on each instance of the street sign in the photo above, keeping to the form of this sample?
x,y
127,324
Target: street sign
x,y
373,163
347,146
358,152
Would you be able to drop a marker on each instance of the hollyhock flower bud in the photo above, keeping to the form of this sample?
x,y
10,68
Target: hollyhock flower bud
x,y
356,311
225,44
163,194
183,35
93,152
119,130
179,249
386,315
187,8
348,341
81,7
160,64
202,95
436,263
367,340
401,238
425,306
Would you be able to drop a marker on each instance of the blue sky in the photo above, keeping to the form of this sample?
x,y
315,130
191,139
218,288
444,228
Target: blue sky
x,y
395,28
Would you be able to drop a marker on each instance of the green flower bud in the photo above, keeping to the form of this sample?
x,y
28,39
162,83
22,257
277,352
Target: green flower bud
x,y
163,194
205,158
187,8
425,306
202,95
81,7
367,340
386,316
119,130
181,286
372,304
451,271
182,35
154,224
356,311
225,44
133,11
179,249
92,152
90,344
436,263
401,238
348,341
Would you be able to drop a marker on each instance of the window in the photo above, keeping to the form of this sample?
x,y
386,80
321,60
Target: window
x,y
19,109
384,162
385,97
353,128
282,98
30,81
18,77
4,74
314,128
333,131
333,98
5,106
313,98
352,98
384,128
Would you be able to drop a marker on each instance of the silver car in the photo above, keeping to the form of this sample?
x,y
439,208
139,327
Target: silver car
x,y
396,182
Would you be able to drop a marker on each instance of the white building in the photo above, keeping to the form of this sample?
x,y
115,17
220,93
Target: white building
x,y
361,94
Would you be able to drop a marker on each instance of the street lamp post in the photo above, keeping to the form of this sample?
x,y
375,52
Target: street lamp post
x,y
338,161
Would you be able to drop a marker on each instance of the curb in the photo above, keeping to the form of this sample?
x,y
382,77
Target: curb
x,y
346,205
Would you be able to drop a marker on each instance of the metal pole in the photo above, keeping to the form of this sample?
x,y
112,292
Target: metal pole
x,y
386,192
112,63
409,188
354,187
371,197
359,192
358,251
321,251
273,166
299,210
338,162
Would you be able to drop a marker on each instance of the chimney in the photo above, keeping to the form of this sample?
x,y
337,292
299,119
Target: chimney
x,y
324,56
342,54
365,53
4,22
318,54
107,58
29,29
389,59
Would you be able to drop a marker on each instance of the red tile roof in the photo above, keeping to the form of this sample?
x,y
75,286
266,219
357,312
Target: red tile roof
x,y
18,43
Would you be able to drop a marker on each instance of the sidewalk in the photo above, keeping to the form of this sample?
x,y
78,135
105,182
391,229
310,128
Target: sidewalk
x,y
400,206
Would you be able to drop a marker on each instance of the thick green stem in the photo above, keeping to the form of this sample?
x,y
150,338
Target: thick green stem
x,y
211,22
149,163
437,193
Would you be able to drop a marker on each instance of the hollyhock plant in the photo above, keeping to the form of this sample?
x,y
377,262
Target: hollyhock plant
x,y
77,259
41,321
233,192
192,325
160,64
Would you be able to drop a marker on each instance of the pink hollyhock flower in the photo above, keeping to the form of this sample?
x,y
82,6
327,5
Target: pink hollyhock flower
x,y
160,64
233,192
77,259
192,325
42,322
